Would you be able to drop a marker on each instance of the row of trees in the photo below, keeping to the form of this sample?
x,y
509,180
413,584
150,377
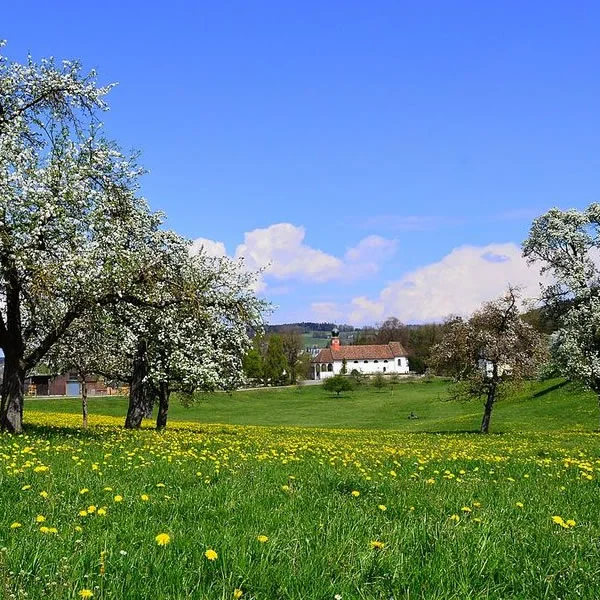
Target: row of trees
x,y
89,279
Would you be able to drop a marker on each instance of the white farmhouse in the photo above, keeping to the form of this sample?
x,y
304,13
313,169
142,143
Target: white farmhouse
x,y
371,359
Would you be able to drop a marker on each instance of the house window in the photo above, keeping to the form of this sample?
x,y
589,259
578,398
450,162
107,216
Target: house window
x,y
385,361
399,362
323,367
355,362
375,361
330,367
384,369
366,361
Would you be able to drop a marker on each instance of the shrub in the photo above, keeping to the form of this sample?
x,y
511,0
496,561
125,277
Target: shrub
x,y
337,384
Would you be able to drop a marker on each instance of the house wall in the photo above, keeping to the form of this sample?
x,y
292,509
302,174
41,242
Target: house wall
x,y
366,367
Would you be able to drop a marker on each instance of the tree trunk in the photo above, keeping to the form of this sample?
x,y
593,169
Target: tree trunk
x,y
13,391
137,394
84,403
489,405
163,406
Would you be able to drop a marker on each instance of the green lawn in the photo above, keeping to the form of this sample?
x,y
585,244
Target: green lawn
x,y
551,405
357,503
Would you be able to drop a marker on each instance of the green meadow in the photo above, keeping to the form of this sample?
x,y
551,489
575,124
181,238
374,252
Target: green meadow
x,y
293,493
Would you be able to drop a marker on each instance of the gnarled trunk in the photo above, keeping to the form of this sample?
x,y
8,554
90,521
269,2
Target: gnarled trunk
x,y
138,409
13,392
163,406
489,405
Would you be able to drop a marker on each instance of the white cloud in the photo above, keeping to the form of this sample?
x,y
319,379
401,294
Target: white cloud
x,y
210,247
457,284
281,252
325,311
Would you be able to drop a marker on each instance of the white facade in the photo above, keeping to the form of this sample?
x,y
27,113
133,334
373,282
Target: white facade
x,y
389,358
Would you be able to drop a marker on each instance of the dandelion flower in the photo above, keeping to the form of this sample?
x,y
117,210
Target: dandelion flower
x,y
86,593
40,519
162,539
16,525
571,523
382,507
44,494
285,488
83,491
455,518
211,554
118,498
25,488
102,512
466,509
262,538
376,545
237,593
145,497
91,509
355,493
519,505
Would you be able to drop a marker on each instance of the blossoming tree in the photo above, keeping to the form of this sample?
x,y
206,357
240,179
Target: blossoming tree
x,y
489,350
74,234
566,244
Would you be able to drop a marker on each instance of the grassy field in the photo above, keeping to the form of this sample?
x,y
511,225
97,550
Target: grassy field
x,y
367,509
550,405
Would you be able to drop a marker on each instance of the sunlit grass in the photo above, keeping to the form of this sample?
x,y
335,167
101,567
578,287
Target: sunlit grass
x,y
464,516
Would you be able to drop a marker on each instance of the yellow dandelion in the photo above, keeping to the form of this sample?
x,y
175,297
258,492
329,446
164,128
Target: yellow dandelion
x,y
571,523
145,497
83,513
25,488
262,538
83,491
162,539
466,509
519,505
44,494
285,488
91,509
102,512
86,593
118,498
477,504
211,554
16,525
41,469
376,545
237,593
455,518
382,507
160,485
355,493
78,529
40,519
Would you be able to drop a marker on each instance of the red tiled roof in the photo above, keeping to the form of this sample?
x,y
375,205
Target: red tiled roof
x,y
379,352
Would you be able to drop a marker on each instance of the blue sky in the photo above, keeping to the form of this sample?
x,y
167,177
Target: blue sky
x,y
384,158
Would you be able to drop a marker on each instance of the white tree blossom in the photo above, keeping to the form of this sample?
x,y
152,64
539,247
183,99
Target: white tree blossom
x,y
567,244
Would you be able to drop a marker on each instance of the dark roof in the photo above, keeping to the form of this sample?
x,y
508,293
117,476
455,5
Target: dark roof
x,y
370,352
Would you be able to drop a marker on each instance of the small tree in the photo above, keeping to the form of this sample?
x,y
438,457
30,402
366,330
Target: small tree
x,y
337,384
292,348
378,382
494,347
275,362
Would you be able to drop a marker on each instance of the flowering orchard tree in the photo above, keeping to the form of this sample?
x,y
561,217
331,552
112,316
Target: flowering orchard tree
x,y
567,245
483,354
198,339
74,235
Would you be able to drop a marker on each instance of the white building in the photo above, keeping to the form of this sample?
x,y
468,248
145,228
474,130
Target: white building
x,y
371,359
